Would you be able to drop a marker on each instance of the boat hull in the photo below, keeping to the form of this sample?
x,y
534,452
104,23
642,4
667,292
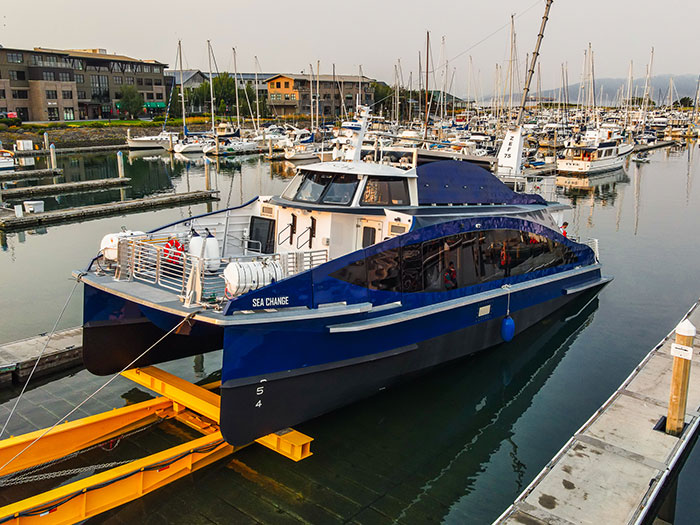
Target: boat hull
x,y
117,331
252,407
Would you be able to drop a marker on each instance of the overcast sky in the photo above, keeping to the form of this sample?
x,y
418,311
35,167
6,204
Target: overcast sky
x,y
287,36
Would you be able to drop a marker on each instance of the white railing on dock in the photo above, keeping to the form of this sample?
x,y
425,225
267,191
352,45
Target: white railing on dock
x,y
156,261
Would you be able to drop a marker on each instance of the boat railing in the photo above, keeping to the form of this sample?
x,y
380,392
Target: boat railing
x,y
157,261
593,245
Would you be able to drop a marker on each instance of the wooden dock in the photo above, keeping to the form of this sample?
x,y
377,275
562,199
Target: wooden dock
x,y
655,145
65,350
62,188
617,467
59,151
29,174
8,221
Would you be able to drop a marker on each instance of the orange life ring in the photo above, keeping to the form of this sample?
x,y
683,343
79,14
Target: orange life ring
x,y
173,250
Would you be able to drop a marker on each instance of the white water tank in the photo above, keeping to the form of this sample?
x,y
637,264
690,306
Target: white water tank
x,y
110,243
242,277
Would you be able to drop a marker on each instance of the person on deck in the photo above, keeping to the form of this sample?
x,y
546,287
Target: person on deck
x,y
563,228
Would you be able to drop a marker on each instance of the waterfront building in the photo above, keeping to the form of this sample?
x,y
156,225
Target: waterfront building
x,y
194,78
75,84
290,94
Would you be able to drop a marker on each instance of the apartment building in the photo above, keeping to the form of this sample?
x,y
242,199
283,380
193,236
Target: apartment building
x,y
290,94
74,84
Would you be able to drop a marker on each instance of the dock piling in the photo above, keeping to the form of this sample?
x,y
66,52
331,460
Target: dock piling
x,y
120,164
207,173
46,140
682,352
52,158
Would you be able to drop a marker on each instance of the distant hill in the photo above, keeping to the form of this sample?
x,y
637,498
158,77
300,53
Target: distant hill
x,y
683,85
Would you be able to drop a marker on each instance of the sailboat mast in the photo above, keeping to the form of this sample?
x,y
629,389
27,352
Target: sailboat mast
x,y
531,71
211,89
257,92
311,95
318,92
235,82
182,90
427,68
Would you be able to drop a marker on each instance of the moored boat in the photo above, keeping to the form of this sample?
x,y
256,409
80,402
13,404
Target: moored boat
x,y
358,276
596,151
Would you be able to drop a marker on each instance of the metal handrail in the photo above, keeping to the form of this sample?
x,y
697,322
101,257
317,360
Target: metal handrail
x,y
308,229
279,235
148,260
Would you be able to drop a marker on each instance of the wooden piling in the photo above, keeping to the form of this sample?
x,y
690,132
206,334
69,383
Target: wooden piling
x,y
682,352
52,157
120,164
46,140
207,173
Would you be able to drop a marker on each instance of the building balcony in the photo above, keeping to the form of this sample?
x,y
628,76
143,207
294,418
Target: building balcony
x,y
283,102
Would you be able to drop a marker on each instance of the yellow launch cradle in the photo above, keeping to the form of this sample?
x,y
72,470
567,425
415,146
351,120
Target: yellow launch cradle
x,y
195,406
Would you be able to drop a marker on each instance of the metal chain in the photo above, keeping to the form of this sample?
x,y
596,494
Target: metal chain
x,y
25,473
19,480
103,386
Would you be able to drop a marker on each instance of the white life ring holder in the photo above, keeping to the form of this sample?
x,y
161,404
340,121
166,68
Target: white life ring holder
x,y
173,250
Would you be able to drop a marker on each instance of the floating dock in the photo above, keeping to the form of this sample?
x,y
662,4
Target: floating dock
x,y
618,468
8,221
29,174
64,350
59,151
655,145
62,188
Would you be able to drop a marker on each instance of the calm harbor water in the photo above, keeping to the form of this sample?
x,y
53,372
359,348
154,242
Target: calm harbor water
x,y
455,446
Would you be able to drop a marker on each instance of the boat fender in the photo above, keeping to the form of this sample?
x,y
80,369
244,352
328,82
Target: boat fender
x,y
212,259
172,251
507,328
196,243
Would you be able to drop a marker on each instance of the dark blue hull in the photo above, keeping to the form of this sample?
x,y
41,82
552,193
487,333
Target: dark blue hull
x,y
255,406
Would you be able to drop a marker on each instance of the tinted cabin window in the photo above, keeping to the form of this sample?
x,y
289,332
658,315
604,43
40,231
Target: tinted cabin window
x,y
384,271
385,191
368,236
262,234
462,260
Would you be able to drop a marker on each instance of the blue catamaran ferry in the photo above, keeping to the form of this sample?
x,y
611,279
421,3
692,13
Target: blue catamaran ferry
x,y
358,276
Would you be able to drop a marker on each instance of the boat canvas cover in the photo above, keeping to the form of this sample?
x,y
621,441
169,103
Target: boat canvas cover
x,y
453,182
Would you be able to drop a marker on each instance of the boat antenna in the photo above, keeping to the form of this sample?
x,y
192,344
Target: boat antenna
x,y
533,63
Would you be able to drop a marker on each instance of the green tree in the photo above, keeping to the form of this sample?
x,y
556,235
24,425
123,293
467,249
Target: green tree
x,y
684,102
175,103
131,102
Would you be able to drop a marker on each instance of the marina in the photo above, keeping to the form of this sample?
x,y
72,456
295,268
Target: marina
x,y
539,377
338,295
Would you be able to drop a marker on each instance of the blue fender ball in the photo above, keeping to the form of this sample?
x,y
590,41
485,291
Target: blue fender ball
x,y
507,328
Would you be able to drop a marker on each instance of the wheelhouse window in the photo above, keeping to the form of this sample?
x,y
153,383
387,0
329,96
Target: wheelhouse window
x,y
313,186
385,191
327,188
341,189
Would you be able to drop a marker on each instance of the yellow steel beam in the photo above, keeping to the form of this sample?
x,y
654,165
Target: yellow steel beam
x,y
96,494
181,392
76,435
289,443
